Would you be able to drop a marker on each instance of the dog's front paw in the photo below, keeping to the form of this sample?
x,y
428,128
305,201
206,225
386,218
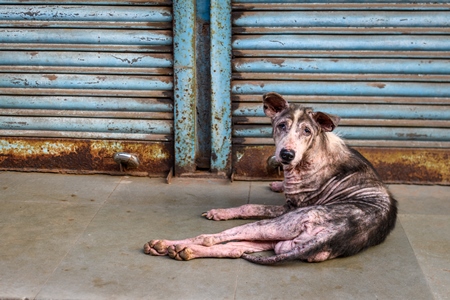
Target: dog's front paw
x,y
156,247
216,214
277,186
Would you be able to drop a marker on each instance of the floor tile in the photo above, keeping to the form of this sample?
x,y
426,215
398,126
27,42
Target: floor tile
x,y
46,187
429,236
35,239
422,199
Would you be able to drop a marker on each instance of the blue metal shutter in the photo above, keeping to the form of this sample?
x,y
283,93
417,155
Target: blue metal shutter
x,y
95,74
383,67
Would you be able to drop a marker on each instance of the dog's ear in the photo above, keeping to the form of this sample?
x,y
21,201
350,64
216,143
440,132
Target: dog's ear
x,y
273,104
326,121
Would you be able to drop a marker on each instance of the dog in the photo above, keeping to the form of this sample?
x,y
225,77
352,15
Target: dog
x,y
336,205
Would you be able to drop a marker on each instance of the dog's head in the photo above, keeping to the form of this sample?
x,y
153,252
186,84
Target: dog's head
x,y
295,128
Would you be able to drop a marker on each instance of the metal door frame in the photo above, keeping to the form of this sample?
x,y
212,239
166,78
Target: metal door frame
x,y
185,87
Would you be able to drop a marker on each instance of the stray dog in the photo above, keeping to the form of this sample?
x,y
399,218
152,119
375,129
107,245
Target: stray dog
x,y
336,205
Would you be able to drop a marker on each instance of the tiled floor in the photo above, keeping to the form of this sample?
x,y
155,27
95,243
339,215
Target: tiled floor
x,y
81,237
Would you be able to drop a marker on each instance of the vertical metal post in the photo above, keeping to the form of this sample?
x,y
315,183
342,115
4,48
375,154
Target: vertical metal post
x,y
184,90
221,86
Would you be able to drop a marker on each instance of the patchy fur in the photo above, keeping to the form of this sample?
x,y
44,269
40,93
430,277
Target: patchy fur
x,y
336,205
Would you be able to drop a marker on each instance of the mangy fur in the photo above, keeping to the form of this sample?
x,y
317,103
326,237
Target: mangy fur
x,y
336,205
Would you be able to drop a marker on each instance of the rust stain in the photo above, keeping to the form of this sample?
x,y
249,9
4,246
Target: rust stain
x,y
276,61
395,165
83,156
51,77
250,163
408,165
377,85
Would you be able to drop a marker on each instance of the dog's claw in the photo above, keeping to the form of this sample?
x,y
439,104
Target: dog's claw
x,y
209,215
216,214
205,214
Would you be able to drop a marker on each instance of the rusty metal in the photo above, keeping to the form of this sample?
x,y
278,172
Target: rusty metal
x,y
250,163
395,165
83,156
409,165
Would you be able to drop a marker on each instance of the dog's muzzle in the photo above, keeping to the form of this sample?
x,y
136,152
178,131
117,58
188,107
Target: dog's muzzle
x,y
287,155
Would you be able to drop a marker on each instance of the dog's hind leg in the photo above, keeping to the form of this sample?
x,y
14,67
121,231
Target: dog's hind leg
x,y
229,250
334,232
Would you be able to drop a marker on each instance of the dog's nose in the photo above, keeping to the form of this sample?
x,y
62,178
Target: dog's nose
x,y
287,155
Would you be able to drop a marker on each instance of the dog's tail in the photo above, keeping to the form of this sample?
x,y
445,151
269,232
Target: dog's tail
x,y
314,253
271,260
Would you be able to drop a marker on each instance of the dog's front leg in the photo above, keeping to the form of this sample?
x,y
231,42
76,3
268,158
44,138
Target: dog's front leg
x,y
277,186
247,211
160,247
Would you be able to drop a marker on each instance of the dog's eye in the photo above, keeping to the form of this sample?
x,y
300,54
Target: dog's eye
x,y
282,126
307,131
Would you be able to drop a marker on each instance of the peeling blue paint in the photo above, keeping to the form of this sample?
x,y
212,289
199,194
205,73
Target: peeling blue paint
x,y
184,89
220,85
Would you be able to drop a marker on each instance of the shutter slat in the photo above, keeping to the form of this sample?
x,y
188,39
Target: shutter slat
x,y
17,123
58,13
360,132
373,111
342,42
344,88
342,19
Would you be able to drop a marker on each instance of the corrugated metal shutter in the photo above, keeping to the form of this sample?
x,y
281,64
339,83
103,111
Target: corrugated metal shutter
x,y
383,67
90,70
